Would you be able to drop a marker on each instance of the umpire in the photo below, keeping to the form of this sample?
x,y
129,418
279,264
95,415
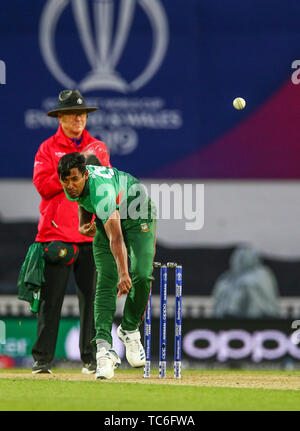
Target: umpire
x,y
58,227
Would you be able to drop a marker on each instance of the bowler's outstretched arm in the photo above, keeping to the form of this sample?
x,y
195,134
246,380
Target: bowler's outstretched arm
x,y
118,248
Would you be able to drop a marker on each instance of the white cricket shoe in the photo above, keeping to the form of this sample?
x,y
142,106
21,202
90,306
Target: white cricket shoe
x,y
135,352
89,368
107,362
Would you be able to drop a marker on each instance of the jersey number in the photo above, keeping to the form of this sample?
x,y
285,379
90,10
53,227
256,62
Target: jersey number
x,y
99,170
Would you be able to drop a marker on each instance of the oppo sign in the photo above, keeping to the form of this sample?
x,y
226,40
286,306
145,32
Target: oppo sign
x,y
219,345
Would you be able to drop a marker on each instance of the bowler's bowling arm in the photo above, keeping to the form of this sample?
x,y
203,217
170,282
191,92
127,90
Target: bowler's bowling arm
x,y
118,248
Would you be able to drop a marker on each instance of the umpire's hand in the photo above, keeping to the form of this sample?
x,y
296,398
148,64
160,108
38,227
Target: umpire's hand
x,y
88,229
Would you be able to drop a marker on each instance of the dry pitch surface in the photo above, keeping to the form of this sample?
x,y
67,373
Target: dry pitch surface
x,y
237,379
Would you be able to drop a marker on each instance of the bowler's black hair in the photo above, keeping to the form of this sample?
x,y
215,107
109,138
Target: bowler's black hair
x,y
68,162
93,160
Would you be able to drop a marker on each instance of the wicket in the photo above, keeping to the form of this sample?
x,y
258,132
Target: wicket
x,y
163,322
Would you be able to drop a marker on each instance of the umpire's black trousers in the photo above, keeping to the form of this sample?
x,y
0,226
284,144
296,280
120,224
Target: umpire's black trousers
x,y
52,296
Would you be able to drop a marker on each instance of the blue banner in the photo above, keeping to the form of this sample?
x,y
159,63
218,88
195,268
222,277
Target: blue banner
x,y
164,74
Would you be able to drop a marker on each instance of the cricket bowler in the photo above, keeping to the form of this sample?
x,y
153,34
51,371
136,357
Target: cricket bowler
x,y
124,226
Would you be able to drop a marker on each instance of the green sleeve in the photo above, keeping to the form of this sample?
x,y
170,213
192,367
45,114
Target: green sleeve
x,y
104,203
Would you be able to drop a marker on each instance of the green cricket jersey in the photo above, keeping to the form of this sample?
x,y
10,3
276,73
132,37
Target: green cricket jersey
x,y
108,189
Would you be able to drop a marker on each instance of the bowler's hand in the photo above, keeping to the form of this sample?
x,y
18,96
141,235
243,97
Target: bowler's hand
x,y
124,285
88,229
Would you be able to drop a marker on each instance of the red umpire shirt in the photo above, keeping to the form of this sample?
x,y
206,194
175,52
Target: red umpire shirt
x,y
59,216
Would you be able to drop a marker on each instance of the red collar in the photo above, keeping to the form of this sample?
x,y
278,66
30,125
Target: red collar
x,y
69,142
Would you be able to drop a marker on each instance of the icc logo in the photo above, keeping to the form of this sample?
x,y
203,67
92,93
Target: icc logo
x,y
104,49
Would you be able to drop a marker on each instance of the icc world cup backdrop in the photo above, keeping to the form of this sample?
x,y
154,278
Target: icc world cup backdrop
x,y
164,73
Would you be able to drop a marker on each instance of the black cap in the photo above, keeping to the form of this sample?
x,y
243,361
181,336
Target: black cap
x,y
70,100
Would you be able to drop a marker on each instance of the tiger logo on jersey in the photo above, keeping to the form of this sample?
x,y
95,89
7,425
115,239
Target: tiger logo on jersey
x,y
145,227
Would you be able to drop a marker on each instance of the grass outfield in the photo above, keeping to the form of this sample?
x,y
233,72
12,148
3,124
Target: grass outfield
x,y
198,390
